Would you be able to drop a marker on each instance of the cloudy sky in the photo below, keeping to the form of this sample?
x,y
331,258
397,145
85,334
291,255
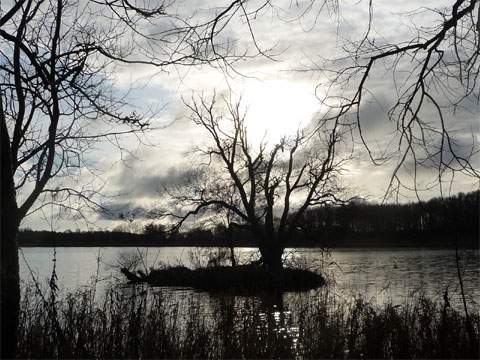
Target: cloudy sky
x,y
281,93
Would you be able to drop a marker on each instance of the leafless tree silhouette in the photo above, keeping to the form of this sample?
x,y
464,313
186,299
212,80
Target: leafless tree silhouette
x,y
57,98
267,189
433,76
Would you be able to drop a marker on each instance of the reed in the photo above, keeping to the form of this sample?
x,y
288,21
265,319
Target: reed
x,y
142,322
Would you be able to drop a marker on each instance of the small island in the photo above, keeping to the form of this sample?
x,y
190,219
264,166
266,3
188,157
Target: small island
x,y
241,279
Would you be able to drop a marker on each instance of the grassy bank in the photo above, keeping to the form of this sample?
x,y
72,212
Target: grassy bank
x,y
137,322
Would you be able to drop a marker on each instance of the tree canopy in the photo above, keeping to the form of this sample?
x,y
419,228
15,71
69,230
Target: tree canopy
x,y
265,187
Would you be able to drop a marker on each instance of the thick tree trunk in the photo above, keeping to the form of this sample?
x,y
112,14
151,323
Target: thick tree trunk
x,y
10,281
271,253
10,289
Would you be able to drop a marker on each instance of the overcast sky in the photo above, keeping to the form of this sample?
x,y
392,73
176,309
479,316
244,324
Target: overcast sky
x,y
279,98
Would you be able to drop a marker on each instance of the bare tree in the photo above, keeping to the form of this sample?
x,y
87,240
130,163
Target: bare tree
x,y
57,100
266,189
52,87
433,79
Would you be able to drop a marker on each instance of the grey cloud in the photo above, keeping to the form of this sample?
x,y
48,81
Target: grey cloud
x,y
136,183
140,193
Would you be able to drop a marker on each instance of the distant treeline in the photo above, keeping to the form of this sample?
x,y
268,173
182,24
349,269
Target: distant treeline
x,y
457,213
196,237
436,223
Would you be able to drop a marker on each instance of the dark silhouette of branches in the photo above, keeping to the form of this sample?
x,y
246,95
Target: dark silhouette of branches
x,y
57,98
56,60
434,75
266,188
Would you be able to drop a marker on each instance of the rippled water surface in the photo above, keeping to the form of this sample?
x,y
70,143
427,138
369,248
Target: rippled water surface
x,y
376,274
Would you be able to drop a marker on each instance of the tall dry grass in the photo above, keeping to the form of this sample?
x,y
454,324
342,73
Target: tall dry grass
x,y
137,322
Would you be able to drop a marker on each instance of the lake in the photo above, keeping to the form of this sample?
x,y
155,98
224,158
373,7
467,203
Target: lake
x,y
378,275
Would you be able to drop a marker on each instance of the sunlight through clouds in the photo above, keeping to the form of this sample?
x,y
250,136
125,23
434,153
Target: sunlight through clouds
x,y
276,108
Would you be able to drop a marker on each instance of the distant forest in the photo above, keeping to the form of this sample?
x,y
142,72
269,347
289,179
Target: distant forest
x,y
435,223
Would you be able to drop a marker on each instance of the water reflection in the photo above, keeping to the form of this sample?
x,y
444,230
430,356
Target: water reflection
x,y
264,319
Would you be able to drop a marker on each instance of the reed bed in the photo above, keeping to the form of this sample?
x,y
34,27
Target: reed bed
x,y
141,322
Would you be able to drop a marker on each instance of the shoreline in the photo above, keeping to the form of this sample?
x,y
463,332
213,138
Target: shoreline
x,y
447,239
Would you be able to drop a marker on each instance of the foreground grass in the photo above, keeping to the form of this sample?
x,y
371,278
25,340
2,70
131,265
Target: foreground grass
x,y
140,323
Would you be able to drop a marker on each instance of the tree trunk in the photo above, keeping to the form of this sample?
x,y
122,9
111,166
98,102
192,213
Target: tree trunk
x,y
232,256
10,280
271,253
10,286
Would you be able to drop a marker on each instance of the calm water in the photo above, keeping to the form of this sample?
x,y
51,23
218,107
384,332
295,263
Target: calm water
x,y
375,274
